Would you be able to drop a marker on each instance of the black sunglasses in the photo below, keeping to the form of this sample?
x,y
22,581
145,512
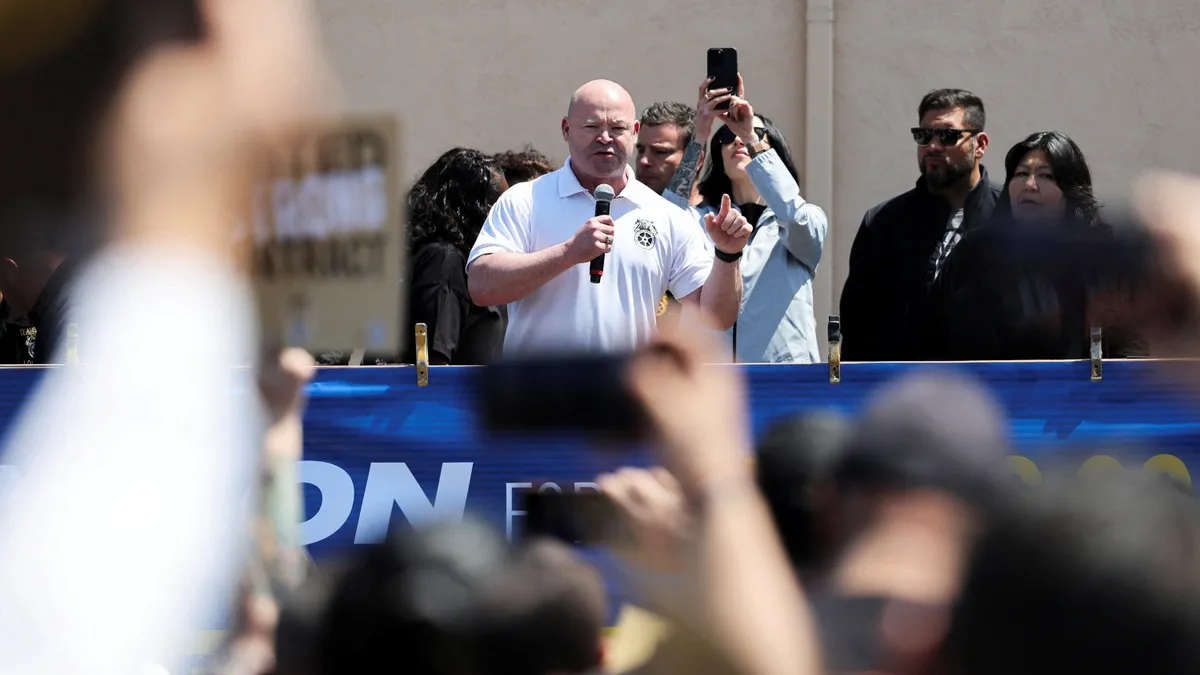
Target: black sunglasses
x,y
725,135
947,137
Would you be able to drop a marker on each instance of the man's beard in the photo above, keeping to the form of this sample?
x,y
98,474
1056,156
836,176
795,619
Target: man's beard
x,y
948,175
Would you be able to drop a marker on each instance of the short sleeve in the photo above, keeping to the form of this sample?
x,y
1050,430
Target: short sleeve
x,y
691,257
439,297
507,228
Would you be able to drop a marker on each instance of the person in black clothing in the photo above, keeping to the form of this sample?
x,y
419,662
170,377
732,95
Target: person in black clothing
x,y
995,301
18,338
34,275
446,209
903,243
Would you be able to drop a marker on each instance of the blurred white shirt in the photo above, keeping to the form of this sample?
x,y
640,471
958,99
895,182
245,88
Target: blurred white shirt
x,y
123,530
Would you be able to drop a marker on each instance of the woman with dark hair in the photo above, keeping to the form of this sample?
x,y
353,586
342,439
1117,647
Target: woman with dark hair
x,y
750,165
1047,179
446,209
993,302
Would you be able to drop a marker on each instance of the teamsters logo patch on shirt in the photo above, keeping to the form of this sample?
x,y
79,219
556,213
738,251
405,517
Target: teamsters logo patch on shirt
x,y
645,234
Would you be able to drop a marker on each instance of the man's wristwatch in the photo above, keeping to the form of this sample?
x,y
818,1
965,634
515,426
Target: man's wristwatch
x,y
727,257
757,147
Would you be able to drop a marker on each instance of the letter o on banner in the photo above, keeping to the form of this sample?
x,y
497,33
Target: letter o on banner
x,y
337,500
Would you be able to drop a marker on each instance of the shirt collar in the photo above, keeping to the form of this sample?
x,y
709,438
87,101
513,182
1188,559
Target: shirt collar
x,y
634,191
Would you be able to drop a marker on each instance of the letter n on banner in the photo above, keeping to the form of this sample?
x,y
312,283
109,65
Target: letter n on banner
x,y
392,484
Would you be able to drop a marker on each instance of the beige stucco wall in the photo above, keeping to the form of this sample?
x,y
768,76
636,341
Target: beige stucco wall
x,y
1117,75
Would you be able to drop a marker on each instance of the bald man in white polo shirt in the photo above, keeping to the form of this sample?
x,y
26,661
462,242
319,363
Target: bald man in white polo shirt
x,y
534,249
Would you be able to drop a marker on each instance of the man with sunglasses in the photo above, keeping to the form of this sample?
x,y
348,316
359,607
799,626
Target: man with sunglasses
x,y
904,242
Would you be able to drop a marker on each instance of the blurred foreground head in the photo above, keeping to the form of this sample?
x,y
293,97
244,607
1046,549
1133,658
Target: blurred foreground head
x,y
932,430
61,65
796,460
924,469
1096,575
930,447
456,598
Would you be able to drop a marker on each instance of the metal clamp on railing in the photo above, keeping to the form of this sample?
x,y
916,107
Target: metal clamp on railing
x,y
422,356
835,349
1097,355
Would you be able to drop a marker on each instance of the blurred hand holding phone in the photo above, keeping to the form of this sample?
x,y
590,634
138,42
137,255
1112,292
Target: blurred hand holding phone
x,y
576,518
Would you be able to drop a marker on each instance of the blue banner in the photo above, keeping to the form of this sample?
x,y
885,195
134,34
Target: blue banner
x,y
380,451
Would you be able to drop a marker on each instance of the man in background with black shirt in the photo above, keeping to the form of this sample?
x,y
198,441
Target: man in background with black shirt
x,y
902,243
18,338
34,275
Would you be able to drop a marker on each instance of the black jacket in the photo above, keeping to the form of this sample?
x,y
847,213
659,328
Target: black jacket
x,y
1005,294
50,312
17,338
883,303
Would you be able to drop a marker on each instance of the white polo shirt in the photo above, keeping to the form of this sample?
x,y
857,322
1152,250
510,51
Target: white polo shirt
x,y
657,247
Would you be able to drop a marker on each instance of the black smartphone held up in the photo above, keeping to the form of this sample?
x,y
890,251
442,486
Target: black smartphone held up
x,y
581,518
562,393
723,69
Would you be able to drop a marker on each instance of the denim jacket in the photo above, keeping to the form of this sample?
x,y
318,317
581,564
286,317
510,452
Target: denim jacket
x,y
776,322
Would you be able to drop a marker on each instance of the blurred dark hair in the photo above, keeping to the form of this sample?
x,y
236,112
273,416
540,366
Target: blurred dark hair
x,y
1071,174
523,165
455,598
936,429
450,201
671,112
796,460
974,116
54,106
1093,574
715,183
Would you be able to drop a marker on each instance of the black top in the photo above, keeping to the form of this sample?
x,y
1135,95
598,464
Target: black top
x,y
17,338
1001,298
49,314
883,301
460,332
752,212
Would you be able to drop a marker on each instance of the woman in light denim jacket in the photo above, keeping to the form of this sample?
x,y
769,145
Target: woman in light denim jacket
x,y
750,162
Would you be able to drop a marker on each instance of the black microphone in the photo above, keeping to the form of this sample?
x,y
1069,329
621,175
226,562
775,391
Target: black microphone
x,y
604,196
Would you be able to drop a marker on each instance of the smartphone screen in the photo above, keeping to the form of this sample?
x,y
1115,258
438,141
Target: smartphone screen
x,y
723,69
327,241
561,393
586,518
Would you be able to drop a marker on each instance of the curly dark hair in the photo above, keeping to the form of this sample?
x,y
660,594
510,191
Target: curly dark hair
x,y
523,165
450,201
1071,173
